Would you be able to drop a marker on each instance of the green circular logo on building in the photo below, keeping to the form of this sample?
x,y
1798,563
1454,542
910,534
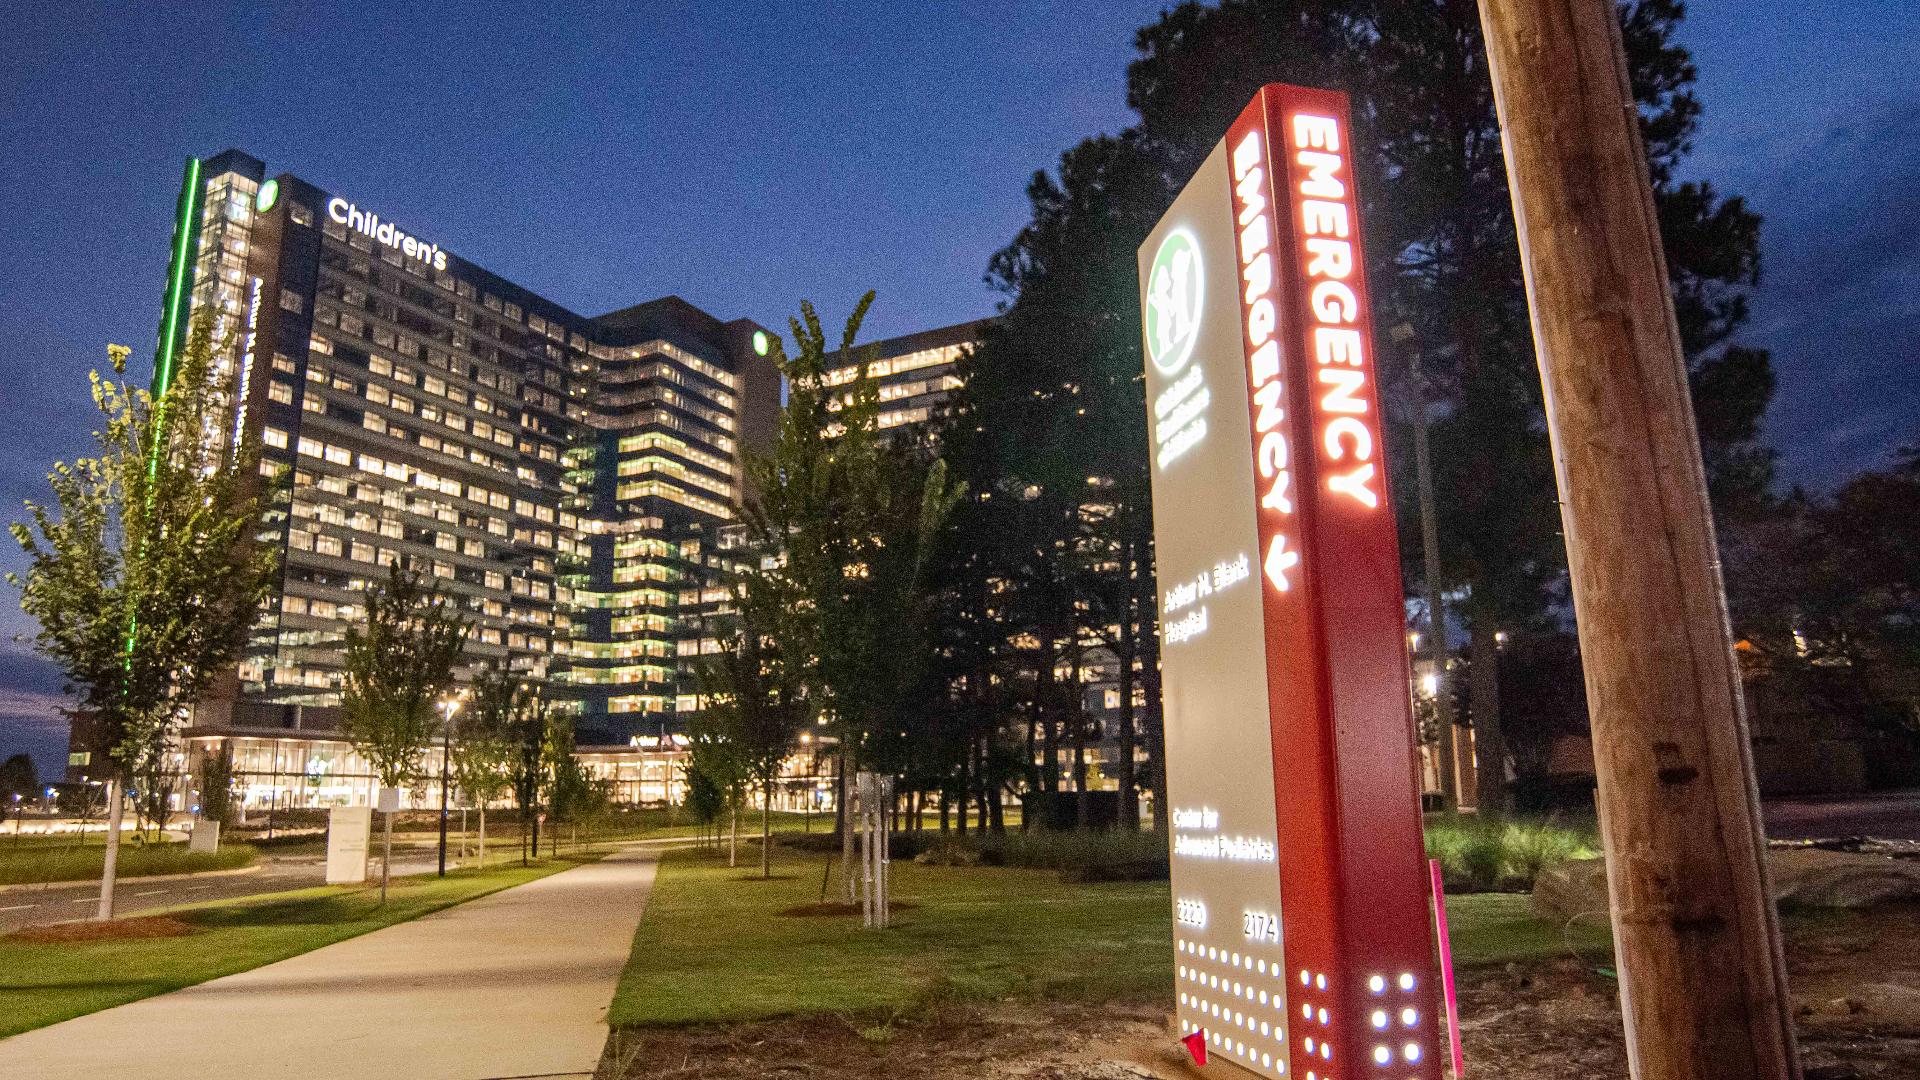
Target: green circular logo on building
x,y
269,194
1175,290
761,343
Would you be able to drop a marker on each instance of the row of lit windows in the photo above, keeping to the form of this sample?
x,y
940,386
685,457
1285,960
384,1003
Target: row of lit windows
x,y
656,464
401,471
658,488
913,361
660,440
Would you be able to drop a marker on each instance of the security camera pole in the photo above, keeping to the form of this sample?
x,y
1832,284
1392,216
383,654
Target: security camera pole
x,y
1702,982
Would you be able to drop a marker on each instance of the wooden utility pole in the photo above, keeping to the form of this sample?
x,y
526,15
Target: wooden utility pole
x,y
1452,793
1702,981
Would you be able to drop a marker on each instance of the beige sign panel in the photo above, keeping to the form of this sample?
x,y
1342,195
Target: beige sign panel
x,y
348,829
1220,776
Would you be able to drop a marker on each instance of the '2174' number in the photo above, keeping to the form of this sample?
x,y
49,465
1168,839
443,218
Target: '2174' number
x,y
1260,926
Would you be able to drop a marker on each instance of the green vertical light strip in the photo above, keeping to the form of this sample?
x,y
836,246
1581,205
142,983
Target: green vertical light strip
x,y
186,246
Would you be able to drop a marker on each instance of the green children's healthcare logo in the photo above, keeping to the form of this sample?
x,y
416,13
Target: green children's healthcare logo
x,y
1175,290
269,194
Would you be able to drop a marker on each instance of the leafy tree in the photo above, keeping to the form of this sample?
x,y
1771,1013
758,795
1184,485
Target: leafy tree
x,y
720,760
143,575
705,797
18,776
483,750
526,721
399,663
856,517
216,785
755,705
579,798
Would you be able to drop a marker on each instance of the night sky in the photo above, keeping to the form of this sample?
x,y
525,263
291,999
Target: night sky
x,y
748,155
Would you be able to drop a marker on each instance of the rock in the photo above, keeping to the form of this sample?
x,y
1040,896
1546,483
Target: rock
x,y
1810,877
1802,876
1572,889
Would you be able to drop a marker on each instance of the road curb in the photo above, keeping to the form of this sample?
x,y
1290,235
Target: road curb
x,y
46,885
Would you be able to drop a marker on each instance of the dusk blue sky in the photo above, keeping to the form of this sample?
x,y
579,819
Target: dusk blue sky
x,y
748,155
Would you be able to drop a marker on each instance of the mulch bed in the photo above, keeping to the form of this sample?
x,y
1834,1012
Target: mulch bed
x,y
1855,978
152,926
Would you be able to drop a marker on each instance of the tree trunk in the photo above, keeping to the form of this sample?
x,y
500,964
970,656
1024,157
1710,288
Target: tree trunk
x,y
766,827
1436,607
1155,723
1703,983
844,812
386,855
1483,688
109,868
1129,794
483,836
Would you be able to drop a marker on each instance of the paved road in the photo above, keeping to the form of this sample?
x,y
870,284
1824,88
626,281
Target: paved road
x,y
516,984
1884,815
67,901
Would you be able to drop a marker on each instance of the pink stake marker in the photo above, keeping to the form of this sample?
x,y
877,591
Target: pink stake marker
x,y
1446,968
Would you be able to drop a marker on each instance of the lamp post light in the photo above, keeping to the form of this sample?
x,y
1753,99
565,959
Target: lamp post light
x,y
448,708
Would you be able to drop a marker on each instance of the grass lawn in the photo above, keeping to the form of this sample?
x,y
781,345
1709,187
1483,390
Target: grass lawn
x,y
714,946
44,982
63,861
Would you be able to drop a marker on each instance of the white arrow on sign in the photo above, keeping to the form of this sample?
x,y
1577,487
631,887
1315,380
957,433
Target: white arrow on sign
x,y
1279,560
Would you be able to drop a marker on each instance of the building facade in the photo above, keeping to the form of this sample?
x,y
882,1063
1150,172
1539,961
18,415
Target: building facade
x,y
574,482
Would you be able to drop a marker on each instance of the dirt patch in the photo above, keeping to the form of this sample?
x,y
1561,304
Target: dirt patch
x,y
1855,979
838,907
153,926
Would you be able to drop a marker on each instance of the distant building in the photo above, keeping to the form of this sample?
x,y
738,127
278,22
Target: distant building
x,y
573,481
916,373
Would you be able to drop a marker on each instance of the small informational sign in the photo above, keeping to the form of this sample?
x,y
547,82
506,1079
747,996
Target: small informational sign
x,y
389,800
348,830
1303,947
205,838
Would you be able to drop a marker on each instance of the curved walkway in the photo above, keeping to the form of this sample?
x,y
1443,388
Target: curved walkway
x,y
511,985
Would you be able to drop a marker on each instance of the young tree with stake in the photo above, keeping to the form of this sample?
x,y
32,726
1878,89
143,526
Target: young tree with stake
x,y
144,575
399,661
482,748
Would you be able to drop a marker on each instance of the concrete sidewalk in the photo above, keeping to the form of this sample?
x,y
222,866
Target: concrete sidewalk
x,y
515,984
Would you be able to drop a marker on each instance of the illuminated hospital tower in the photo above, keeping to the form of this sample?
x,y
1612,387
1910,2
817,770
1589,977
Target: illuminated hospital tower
x,y
571,480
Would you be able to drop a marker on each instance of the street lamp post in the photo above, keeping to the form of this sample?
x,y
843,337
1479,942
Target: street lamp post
x,y
449,706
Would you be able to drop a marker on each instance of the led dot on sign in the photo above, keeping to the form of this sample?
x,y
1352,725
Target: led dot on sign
x,y
1412,1051
1267,1060
1320,981
1379,1018
1266,1028
1326,1051
1409,1017
1263,997
1406,980
1304,977
1213,953
1377,984
1382,1055
1323,1016
1308,1043
1263,967
1306,1011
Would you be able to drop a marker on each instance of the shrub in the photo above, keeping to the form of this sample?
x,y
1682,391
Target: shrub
x,y
1490,854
